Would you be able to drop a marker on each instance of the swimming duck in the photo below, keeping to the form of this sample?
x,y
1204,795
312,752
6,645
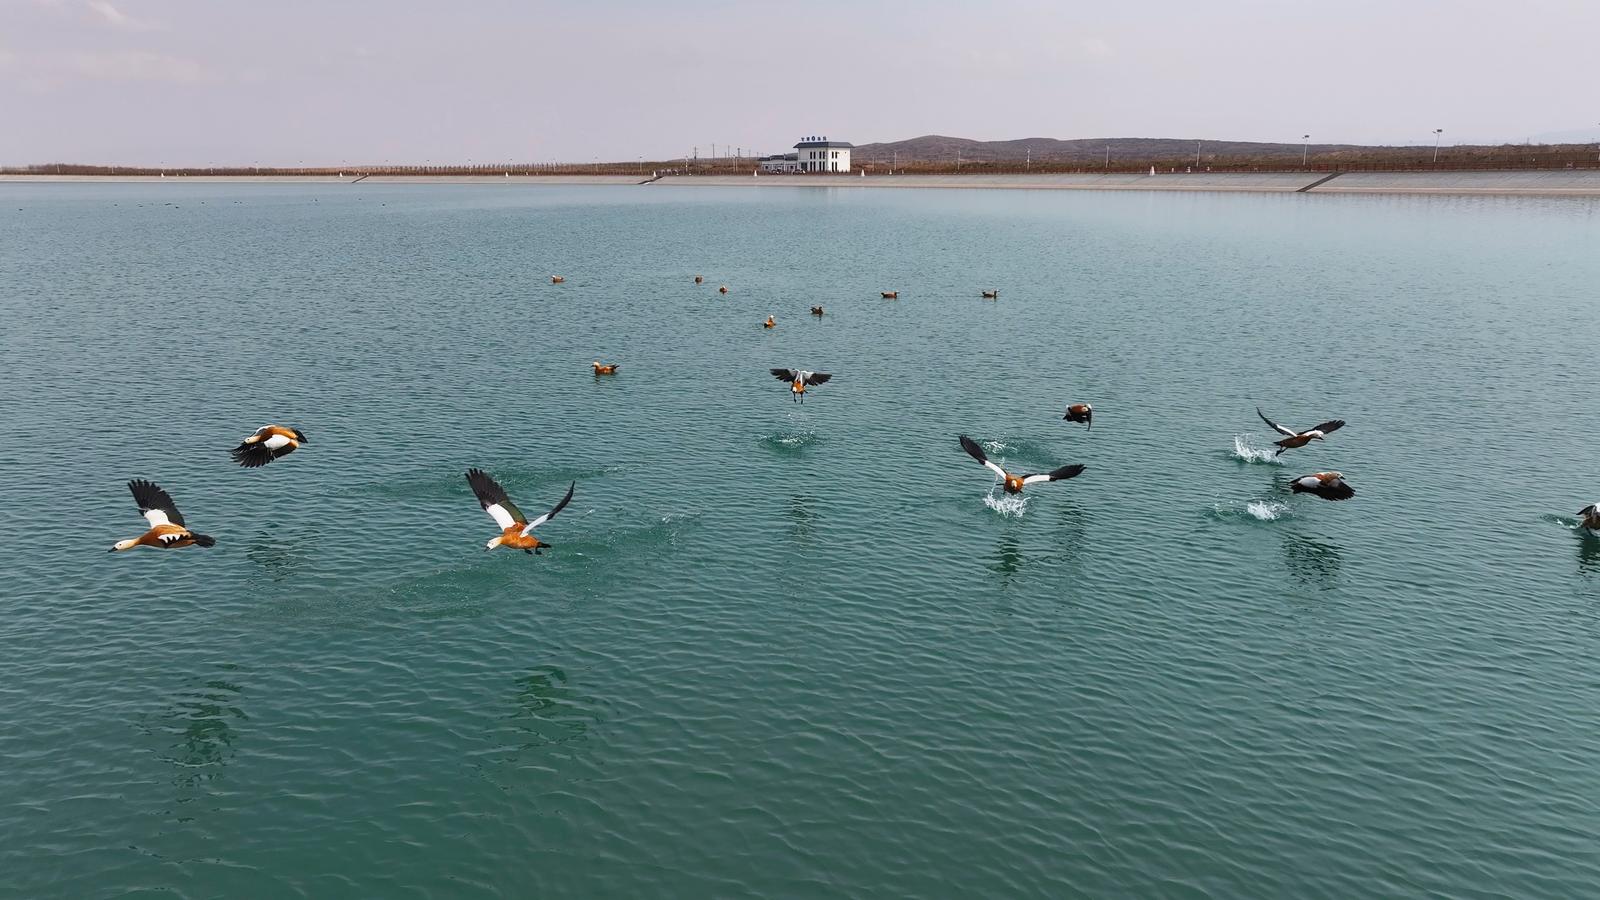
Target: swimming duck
x,y
799,380
167,529
1327,485
1589,517
1080,412
991,295
699,279
1013,484
267,444
556,279
816,311
516,531
890,295
1293,439
769,323
723,289
604,368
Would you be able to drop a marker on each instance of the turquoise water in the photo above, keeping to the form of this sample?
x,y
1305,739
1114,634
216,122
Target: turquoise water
x,y
791,651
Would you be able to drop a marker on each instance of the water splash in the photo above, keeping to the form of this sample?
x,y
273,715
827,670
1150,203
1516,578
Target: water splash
x,y
1009,505
1249,510
1266,510
1245,451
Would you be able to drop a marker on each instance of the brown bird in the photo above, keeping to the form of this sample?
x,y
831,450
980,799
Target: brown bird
x,y
167,529
816,311
1293,439
991,295
799,380
890,295
1589,517
769,323
267,444
604,368
1327,485
699,279
1013,484
556,279
723,289
1080,412
516,531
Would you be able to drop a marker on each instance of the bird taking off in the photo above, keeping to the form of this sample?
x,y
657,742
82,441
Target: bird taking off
x,y
1013,484
516,531
1293,439
1327,485
799,380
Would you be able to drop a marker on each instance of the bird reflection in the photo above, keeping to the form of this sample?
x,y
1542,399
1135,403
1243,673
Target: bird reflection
x,y
277,559
801,515
546,711
1007,557
200,724
1311,562
1588,553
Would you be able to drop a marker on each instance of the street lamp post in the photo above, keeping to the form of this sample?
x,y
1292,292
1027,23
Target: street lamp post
x,y
1197,154
1436,133
1305,149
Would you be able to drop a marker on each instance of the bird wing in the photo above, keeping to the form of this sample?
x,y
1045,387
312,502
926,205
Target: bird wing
x,y
492,497
1589,510
1286,432
783,374
155,504
1329,426
817,377
527,529
976,452
1061,474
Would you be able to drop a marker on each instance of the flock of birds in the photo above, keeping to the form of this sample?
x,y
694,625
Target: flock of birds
x,y
168,531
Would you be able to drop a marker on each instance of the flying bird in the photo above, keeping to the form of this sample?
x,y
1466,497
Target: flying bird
x,y
1080,412
516,531
167,528
604,368
1327,485
1013,484
1589,517
799,380
1293,439
267,444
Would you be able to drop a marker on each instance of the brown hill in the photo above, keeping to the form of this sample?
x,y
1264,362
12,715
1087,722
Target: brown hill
x,y
944,149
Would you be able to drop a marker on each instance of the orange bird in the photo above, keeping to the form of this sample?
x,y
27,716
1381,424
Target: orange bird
x,y
1293,439
1327,485
723,289
698,279
769,323
516,531
799,380
267,444
167,530
1590,516
991,295
890,295
1080,412
604,369
816,311
556,279
1013,484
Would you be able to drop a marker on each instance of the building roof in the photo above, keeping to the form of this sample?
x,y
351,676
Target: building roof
x,y
810,145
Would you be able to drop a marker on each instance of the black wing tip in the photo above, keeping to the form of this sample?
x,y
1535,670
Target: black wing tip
x,y
203,540
820,377
782,374
252,456
973,450
1065,472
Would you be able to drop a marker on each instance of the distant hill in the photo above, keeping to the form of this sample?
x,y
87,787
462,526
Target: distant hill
x,y
943,149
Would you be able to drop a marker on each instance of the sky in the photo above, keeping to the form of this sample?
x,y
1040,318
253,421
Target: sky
x,y
286,82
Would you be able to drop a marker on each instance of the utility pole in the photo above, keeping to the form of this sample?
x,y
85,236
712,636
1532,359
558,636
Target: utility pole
x,y
1436,133
1197,154
1305,149
1108,156
1028,165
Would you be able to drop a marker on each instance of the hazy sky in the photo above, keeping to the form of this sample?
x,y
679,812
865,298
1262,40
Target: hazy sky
x,y
281,81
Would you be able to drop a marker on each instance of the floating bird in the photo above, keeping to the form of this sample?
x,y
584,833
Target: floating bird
x,y
769,323
1327,485
1080,412
1293,439
267,444
991,295
516,531
556,279
799,380
604,368
699,279
890,295
723,289
816,311
167,529
1013,484
1589,517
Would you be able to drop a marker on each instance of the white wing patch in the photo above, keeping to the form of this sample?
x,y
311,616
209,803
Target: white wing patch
x,y
1286,432
1035,479
276,442
156,517
500,516
528,529
997,470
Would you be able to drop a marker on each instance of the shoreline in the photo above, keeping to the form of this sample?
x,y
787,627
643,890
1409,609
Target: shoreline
x,y
1559,182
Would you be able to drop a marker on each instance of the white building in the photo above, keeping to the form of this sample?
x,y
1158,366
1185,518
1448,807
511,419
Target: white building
x,y
812,154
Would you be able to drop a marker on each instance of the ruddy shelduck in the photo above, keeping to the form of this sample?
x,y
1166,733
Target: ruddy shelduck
x,y
267,444
723,289
1293,439
516,531
1013,484
1080,412
167,529
991,295
890,295
1327,485
1589,517
799,380
556,279
816,311
699,279
604,368
769,323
